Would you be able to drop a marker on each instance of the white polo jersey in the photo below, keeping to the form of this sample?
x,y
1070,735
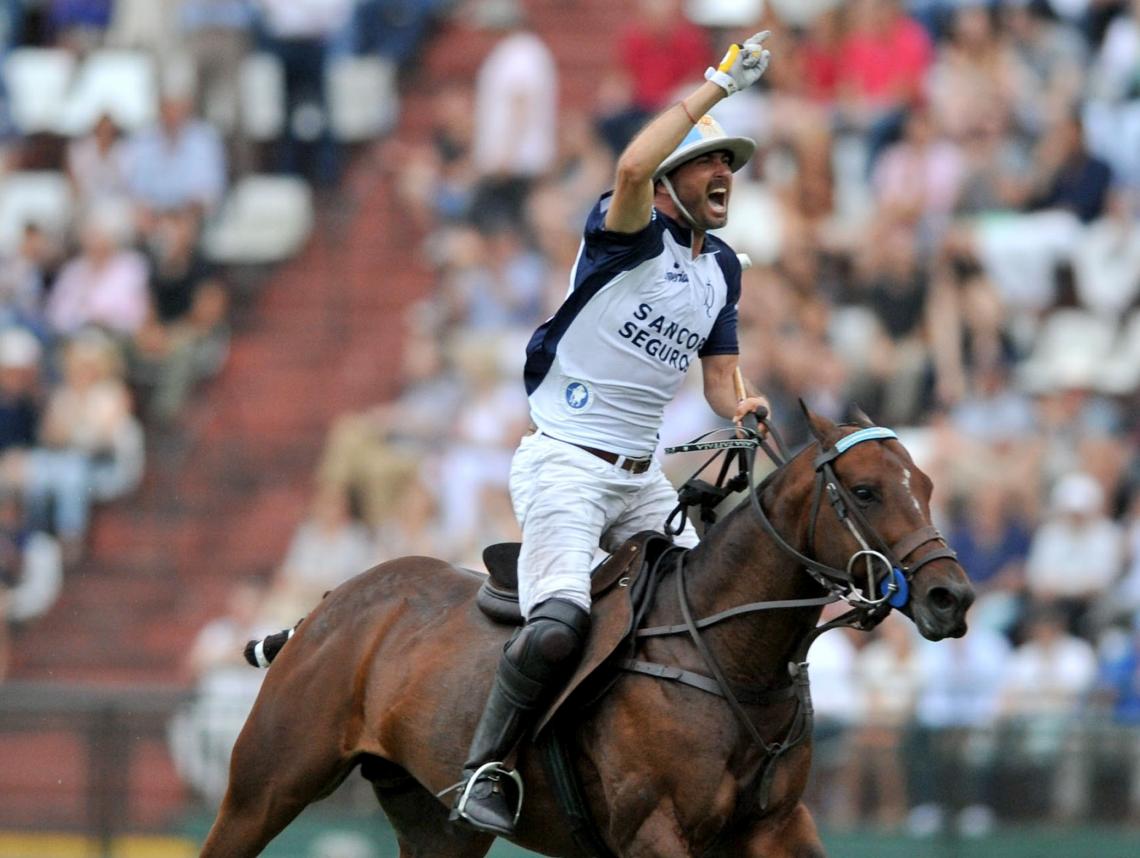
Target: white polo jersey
x,y
639,312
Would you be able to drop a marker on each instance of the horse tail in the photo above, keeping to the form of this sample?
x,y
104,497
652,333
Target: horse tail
x,y
260,653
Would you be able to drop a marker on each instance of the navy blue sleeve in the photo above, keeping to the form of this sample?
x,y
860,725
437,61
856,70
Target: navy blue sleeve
x,y
722,339
617,251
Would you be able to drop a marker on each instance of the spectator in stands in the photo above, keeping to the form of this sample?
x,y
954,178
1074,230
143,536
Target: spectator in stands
x,y
659,49
1052,57
1123,603
79,25
24,279
203,732
177,163
883,58
892,283
395,29
106,284
298,34
1050,675
956,714
917,181
31,571
217,36
992,542
21,397
973,83
889,675
1118,697
185,337
836,707
90,446
412,524
1076,555
97,164
1116,67
516,123
329,547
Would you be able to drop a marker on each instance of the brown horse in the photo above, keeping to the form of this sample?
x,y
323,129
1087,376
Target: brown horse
x,y
390,673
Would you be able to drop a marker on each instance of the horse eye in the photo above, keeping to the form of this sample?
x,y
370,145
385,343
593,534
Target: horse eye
x,y
863,494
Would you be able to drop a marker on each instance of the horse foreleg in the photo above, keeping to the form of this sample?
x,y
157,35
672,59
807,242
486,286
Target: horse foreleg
x,y
419,818
794,837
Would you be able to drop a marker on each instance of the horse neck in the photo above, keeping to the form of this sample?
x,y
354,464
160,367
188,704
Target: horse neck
x,y
738,563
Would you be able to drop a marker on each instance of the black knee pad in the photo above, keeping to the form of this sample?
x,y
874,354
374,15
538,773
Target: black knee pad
x,y
548,646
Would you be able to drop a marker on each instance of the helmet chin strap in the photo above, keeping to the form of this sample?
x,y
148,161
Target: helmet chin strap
x,y
680,206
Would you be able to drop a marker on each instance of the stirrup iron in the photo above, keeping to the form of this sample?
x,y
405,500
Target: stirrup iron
x,y
491,771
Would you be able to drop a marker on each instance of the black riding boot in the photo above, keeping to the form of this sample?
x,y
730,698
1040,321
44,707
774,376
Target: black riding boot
x,y
535,664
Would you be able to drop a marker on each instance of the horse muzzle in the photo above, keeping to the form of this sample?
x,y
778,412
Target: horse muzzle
x,y
940,611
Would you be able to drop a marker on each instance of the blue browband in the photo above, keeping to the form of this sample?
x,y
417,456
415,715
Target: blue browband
x,y
875,433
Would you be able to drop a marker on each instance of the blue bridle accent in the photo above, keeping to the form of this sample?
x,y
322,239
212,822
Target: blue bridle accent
x,y
902,588
874,433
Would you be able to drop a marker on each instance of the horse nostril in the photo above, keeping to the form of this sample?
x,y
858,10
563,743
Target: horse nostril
x,y
942,600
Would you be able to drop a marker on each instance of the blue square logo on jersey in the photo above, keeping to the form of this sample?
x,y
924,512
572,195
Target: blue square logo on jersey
x,y
577,396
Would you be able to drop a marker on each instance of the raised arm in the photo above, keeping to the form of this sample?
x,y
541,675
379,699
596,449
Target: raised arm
x,y
632,202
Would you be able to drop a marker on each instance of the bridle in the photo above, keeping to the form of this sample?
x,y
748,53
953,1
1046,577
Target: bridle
x,y
888,576
883,592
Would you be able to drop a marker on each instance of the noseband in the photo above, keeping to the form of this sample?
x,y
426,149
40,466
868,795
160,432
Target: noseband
x,y
887,575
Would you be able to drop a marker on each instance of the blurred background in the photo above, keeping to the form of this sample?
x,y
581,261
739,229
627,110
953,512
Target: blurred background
x,y
266,273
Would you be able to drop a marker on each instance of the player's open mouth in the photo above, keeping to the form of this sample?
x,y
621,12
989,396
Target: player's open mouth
x,y
718,201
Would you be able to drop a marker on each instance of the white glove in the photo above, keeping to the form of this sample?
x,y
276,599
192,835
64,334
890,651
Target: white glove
x,y
742,66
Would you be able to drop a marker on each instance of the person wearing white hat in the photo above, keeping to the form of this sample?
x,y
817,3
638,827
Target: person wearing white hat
x,y
650,293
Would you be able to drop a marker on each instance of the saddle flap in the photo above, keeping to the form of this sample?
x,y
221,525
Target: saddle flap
x,y
612,614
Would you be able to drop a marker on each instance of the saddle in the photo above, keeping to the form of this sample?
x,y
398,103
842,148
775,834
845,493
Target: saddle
x,y
613,591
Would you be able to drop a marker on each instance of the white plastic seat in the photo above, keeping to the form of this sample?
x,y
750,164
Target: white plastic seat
x,y
361,97
261,83
37,80
1068,351
264,219
724,13
122,84
1119,375
42,197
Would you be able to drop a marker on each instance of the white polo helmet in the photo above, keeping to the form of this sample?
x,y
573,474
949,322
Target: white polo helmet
x,y
707,136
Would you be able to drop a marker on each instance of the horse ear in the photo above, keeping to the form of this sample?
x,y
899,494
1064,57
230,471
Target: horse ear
x,y
823,429
861,418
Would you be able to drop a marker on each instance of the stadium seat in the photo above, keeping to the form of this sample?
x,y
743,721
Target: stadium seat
x,y
265,219
724,13
122,84
1119,375
42,197
38,80
1068,351
361,96
262,93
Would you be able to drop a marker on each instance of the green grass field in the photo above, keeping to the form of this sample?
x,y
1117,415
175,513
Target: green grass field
x,y
320,834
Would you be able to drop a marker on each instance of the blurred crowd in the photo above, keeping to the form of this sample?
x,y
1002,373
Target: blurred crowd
x,y
124,128
944,221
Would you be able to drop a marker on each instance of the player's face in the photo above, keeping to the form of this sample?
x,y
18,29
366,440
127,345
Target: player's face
x,y
704,185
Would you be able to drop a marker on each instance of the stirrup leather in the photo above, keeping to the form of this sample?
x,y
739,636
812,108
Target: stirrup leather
x,y
492,771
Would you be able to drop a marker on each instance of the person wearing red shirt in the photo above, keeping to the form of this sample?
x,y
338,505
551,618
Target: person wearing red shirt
x,y
659,50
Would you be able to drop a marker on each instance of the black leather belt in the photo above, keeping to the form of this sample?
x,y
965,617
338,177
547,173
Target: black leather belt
x,y
634,466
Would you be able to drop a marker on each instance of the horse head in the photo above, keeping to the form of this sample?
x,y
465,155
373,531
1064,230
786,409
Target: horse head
x,y
872,520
